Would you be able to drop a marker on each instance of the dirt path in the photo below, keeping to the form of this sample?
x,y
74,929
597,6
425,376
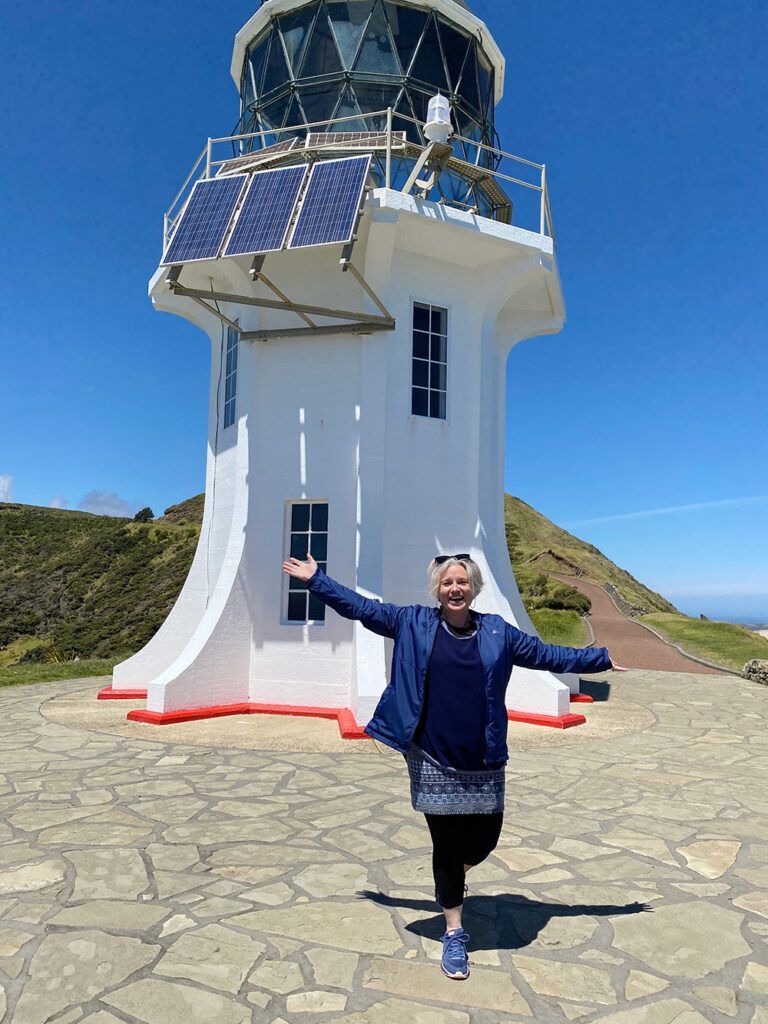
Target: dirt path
x,y
630,644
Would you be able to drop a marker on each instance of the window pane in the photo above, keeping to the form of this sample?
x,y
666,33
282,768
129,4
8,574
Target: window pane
x,y
229,389
437,404
439,349
420,345
276,72
437,376
439,319
300,517
257,57
294,584
319,546
455,47
322,56
349,21
420,318
407,24
420,402
299,545
295,29
420,373
297,608
316,608
377,54
320,516
428,64
322,565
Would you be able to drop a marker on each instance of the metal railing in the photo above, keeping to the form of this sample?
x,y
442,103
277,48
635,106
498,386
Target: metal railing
x,y
494,163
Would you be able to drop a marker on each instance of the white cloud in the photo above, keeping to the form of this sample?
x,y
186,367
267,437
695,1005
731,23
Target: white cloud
x,y
58,501
671,510
6,486
106,503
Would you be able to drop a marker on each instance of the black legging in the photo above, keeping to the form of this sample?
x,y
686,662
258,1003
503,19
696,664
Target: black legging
x,y
459,839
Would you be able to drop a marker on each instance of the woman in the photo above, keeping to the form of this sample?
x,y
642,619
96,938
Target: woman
x,y
444,710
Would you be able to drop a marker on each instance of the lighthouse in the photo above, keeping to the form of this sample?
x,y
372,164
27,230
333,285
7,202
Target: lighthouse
x,y
362,256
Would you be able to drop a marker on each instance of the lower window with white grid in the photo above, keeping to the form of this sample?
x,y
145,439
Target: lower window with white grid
x,y
307,534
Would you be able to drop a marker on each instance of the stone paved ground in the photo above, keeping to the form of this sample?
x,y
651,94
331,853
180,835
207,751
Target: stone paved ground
x,y
173,884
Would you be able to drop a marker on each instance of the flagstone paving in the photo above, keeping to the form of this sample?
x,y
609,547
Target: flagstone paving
x,y
145,879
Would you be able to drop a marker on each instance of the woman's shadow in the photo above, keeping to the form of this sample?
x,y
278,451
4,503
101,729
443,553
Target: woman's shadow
x,y
508,921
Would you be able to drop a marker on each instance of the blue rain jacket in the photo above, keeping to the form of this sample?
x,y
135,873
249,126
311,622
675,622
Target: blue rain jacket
x,y
413,628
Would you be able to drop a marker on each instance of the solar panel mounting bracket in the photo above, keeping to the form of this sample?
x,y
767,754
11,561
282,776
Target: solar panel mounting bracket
x,y
359,323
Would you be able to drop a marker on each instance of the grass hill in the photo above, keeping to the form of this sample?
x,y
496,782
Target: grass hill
x,y
76,585
79,592
537,546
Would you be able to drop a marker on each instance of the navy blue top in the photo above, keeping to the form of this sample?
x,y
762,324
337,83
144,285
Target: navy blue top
x,y
454,717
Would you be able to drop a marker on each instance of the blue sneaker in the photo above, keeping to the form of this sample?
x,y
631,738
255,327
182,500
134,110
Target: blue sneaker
x,y
454,962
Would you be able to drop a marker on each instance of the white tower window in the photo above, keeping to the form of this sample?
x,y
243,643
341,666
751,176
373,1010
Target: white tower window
x,y
430,361
230,377
307,532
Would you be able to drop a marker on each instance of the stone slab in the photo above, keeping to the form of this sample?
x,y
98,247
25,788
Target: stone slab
x,y
484,989
152,1001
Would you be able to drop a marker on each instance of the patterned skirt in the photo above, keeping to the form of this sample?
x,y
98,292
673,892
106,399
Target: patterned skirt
x,y
436,789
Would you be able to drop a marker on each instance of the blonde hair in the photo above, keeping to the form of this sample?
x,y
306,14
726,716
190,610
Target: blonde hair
x,y
435,574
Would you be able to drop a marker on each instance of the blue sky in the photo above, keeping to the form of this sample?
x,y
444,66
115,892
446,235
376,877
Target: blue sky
x,y
642,427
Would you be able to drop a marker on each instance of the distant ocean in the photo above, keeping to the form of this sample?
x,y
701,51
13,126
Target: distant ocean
x,y
749,612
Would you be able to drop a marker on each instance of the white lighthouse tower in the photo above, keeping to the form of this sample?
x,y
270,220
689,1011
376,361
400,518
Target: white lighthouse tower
x,y
362,259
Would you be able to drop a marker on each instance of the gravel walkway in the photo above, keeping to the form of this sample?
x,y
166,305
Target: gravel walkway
x,y
168,883
629,643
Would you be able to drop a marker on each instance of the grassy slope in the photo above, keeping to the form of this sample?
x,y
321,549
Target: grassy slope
x,y
536,543
720,642
88,586
556,626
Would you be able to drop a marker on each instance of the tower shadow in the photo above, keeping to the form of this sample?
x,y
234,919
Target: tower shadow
x,y
508,921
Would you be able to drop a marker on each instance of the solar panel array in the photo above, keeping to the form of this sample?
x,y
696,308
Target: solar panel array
x,y
354,140
204,221
256,218
259,156
265,215
331,203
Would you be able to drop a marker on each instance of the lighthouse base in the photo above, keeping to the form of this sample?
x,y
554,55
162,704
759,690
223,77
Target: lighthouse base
x,y
349,728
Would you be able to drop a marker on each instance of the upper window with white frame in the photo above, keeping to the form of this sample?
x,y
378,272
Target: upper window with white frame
x,y
307,533
230,377
430,361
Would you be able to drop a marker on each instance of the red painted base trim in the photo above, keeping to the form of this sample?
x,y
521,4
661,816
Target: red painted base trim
x,y
348,726
581,698
109,694
554,721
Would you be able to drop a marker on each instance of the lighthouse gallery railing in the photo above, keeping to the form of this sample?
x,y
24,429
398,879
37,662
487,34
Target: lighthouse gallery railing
x,y
493,160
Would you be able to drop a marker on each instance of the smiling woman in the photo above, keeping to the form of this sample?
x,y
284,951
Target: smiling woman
x,y
444,710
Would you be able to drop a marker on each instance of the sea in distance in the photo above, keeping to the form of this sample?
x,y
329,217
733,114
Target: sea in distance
x,y
746,611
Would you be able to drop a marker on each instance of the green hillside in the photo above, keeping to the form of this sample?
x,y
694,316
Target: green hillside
x,y
75,585
537,546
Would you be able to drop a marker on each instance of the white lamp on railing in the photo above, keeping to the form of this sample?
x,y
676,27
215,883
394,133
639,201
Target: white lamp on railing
x,y
438,127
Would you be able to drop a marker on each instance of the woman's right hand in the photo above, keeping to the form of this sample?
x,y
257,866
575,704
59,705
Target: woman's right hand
x,y
301,570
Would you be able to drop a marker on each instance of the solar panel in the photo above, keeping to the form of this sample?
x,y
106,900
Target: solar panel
x,y
266,212
331,202
204,220
354,140
258,157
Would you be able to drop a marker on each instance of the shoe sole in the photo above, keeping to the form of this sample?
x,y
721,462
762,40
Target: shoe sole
x,y
454,977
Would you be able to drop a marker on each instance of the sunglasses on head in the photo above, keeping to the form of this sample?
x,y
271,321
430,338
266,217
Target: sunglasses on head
x,y
439,559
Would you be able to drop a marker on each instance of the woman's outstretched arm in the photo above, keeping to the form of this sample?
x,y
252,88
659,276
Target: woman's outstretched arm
x,y
530,652
375,615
